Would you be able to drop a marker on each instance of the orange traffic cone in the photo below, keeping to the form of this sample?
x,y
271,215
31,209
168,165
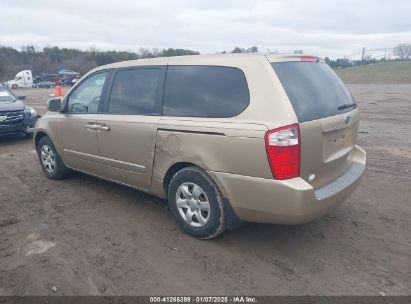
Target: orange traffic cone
x,y
59,92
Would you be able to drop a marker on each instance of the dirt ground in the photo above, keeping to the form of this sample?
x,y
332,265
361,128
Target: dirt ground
x,y
84,236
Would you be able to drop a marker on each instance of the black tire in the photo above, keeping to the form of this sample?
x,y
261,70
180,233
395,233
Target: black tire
x,y
29,135
216,222
60,170
14,86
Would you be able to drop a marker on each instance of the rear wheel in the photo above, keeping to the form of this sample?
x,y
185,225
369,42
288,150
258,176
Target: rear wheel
x,y
196,203
50,161
14,86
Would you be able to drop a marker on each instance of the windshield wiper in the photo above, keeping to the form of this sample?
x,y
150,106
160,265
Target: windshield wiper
x,y
346,106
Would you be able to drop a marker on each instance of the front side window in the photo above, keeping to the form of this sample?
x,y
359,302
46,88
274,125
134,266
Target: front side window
x,y
205,91
86,97
134,91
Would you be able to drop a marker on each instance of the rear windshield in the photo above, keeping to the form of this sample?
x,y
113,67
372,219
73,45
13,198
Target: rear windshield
x,y
313,88
6,96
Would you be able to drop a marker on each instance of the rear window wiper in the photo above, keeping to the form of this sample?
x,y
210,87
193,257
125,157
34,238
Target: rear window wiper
x,y
346,106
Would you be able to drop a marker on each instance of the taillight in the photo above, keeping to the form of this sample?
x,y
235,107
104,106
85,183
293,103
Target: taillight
x,y
283,151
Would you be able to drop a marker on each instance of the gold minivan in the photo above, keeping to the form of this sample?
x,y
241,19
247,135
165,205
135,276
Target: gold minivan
x,y
224,138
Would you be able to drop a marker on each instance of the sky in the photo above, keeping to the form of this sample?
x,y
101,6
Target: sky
x,y
323,28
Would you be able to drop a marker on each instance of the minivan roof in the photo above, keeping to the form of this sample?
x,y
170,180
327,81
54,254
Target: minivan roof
x,y
202,59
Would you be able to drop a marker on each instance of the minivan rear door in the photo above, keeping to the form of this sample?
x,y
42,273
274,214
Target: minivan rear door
x,y
128,126
327,116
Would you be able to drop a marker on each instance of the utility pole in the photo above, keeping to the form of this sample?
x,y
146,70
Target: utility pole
x,y
362,57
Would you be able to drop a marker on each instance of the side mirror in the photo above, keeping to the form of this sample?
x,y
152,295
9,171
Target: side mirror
x,y
54,105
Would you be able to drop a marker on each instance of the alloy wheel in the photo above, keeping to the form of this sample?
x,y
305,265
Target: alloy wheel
x,y
193,204
48,159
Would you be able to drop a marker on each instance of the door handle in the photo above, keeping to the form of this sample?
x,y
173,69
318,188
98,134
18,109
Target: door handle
x,y
91,126
103,128
97,127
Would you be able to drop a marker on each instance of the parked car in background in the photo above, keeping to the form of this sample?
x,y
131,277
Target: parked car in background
x,y
23,79
67,82
224,138
44,84
74,81
15,116
55,78
70,73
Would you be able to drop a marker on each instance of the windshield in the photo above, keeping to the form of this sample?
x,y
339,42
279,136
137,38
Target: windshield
x,y
6,96
314,90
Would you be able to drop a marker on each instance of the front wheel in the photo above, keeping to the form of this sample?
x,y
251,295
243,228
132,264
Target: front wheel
x,y
50,161
196,203
14,86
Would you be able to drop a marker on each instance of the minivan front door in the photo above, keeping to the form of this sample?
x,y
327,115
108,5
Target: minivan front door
x,y
128,128
77,130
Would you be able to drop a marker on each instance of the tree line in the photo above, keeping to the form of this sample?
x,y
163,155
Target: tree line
x,y
52,58
49,60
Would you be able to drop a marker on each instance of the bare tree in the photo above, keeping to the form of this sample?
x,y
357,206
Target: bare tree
x,y
145,53
252,49
403,51
238,50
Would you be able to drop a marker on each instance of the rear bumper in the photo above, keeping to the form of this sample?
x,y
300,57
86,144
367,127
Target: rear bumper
x,y
292,201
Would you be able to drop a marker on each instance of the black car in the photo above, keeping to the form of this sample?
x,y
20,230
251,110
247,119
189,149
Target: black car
x,y
15,116
44,84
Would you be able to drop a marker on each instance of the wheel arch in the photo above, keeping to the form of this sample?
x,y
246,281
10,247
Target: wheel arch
x,y
40,133
38,136
172,170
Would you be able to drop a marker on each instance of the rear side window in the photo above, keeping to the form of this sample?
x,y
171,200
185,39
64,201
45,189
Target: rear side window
x,y
205,91
313,88
134,91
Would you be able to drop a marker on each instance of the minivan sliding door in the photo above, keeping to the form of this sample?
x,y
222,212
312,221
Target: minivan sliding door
x,y
129,125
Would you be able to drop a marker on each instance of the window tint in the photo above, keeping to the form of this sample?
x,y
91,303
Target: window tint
x,y
134,91
314,90
205,91
86,97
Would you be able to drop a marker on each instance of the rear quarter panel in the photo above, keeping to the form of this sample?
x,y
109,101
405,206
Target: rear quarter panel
x,y
232,148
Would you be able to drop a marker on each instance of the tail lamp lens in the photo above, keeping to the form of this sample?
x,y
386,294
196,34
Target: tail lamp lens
x,y
283,151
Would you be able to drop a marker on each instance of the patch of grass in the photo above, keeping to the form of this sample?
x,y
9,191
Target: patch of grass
x,y
393,72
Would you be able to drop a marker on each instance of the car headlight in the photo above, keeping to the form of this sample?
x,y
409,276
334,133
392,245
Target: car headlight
x,y
32,111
